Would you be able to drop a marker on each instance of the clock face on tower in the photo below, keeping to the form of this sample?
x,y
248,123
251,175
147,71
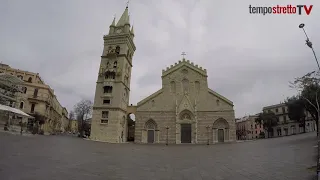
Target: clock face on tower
x,y
119,30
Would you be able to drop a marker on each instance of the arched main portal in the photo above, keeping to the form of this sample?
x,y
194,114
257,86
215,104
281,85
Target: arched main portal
x,y
185,117
151,127
220,130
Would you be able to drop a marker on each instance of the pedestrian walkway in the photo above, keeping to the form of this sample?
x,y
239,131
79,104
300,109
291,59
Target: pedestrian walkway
x,y
16,133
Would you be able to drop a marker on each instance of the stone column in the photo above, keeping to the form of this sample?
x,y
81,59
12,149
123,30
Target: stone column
x,y
143,136
196,129
193,133
178,136
214,135
226,138
158,135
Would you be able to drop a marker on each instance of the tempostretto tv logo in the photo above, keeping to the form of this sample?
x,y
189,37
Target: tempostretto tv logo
x,y
289,9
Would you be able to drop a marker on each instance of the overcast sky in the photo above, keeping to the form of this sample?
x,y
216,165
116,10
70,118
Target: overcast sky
x,y
249,57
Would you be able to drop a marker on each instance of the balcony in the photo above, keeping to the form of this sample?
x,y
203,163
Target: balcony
x,y
39,98
7,93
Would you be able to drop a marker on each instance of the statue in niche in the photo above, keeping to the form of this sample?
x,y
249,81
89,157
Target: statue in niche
x,y
111,50
101,71
186,117
118,69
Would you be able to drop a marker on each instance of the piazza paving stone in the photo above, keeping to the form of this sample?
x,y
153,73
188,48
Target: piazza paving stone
x,y
67,158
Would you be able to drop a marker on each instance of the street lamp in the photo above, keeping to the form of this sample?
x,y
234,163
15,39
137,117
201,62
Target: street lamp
x,y
208,134
309,43
167,135
21,127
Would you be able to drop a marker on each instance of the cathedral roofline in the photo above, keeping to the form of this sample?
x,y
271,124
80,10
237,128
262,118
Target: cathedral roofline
x,y
149,97
187,63
220,96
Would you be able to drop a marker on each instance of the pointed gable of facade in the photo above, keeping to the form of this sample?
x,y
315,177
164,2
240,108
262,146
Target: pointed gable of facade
x,y
186,63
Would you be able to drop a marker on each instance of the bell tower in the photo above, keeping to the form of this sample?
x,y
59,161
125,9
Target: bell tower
x,y
109,116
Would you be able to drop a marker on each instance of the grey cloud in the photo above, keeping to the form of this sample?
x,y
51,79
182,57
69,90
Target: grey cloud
x,y
149,79
249,58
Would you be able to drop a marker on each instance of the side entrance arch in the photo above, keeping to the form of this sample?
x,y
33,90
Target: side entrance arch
x,y
220,131
151,127
131,122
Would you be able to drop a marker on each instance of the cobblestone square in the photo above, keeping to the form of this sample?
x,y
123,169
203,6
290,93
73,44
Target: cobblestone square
x,y
68,158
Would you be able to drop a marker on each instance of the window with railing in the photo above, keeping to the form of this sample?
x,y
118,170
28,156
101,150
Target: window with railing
x,y
32,108
105,116
107,89
110,75
106,101
21,105
20,77
35,93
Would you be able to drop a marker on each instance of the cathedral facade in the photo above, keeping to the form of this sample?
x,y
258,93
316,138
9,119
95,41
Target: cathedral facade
x,y
184,110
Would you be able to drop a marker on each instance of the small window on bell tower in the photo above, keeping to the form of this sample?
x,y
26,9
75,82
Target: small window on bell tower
x,y
115,64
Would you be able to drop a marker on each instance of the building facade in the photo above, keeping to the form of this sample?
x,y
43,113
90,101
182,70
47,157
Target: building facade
x,y
38,97
247,128
184,110
286,126
10,86
64,120
73,126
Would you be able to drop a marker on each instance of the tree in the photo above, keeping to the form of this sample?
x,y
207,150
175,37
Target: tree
x,y
308,89
39,120
296,110
268,120
82,109
242,134
262,135
55,125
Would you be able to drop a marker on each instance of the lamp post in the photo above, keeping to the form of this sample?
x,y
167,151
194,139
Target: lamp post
x,y
309,44
208,134
167,135
21,127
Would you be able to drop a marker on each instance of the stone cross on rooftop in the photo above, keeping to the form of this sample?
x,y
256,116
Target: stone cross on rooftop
x,y
183,54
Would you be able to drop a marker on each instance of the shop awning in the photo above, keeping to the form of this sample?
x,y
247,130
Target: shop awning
x,y
14,110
